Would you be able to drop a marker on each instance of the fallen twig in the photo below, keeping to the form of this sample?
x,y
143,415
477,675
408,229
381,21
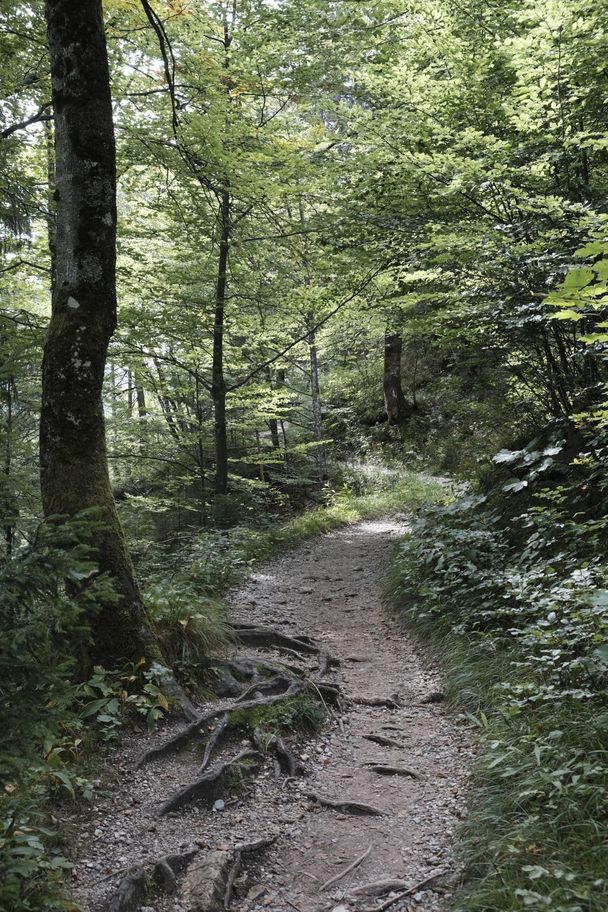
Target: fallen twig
x,y
351,867
419,886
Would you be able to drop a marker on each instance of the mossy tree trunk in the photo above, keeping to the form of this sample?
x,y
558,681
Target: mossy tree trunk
x,y
74,469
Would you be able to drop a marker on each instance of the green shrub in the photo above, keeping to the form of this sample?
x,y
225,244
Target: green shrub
x,y
517,610
49,721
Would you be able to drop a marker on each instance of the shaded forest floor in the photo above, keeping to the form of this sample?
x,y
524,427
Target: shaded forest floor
x,y
328,589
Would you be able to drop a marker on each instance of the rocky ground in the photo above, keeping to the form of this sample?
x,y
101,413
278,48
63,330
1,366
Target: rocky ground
x,y
270,838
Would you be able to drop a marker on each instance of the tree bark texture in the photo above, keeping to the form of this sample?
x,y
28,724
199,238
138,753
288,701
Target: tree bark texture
x,y
74,468
397,408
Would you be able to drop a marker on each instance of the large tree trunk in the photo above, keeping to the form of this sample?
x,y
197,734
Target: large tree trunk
x,y
397,408
74,469
218,383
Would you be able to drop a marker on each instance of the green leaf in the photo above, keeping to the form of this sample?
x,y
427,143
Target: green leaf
x,y
65,780
567,315
579,277
92,708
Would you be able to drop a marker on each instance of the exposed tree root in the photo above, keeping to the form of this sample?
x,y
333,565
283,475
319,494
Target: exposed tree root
x,y
176,693
348,807
379,888
436,696
165,870
382,770
287,760
328,691
241,668
131,892
266,687
214,739
326,661
232,674
351,867
408,892
193,730
386,702
210,783
266,636
242,849
323,664
382,741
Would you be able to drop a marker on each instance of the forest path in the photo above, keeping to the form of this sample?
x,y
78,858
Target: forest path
x,y
330,589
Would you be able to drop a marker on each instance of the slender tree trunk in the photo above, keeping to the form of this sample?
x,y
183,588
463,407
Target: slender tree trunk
x,y
74,468
397,409
130,391
201,455
142,411
285,441
8,458
218,383
280,383
315,389
555,378
317,422
273,423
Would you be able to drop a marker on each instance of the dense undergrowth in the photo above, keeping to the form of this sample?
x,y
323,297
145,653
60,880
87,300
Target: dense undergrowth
x,y
511,591
52,721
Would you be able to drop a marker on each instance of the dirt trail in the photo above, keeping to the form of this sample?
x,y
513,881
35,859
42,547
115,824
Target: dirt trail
x,y
329,589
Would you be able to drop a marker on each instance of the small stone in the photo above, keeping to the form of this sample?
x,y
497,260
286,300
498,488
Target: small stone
x,y
219,805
